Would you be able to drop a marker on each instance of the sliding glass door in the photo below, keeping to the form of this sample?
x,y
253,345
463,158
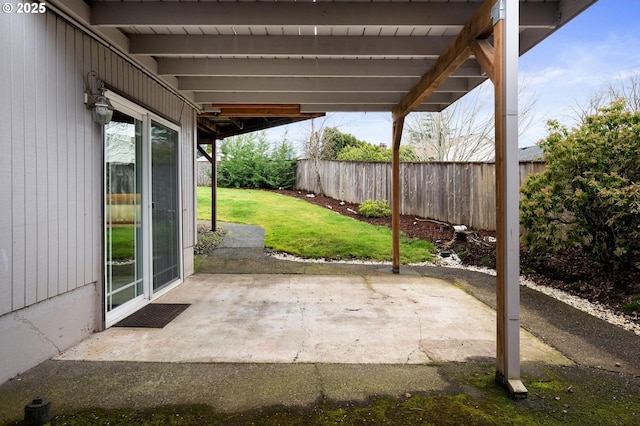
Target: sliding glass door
x,y
165,206
142,209
123,211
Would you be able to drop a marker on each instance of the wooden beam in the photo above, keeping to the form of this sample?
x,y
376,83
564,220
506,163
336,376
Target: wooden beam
x,y
301,14
204,153
300,45
480,26
279,14
255,110
318,98
483,51
202,85
208,127
398,125
312,67
325,108
297,84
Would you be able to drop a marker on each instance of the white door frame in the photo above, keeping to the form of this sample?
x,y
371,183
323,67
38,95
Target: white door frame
x,y
146,117
178,281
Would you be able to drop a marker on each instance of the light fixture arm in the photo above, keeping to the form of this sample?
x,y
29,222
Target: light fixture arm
x,y
99,105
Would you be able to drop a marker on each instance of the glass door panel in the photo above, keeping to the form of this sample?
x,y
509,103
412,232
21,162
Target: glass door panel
x,y
165,206
123,214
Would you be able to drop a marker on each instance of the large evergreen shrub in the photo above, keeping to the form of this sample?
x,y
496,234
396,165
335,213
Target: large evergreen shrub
x,y
249,161
589,195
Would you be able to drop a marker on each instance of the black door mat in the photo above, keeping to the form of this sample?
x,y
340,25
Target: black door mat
x,y
154,315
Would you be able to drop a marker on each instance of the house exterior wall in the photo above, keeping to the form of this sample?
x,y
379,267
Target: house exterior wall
x,y
51,192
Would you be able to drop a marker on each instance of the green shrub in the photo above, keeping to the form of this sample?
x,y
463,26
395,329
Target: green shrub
x,y
632,306
362,153
375,154
375,208
588,197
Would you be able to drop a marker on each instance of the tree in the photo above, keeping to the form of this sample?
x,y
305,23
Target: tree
x,y
328,142
249,161
313,147
464,131
281,166
589,195
325,143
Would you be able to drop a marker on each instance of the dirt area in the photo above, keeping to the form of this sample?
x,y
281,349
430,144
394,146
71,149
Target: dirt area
x,y
572,271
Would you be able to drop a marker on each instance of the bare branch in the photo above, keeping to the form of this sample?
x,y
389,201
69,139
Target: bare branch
x,y
626,87
465,130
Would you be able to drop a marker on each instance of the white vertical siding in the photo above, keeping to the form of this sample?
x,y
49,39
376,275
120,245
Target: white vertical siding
x,y
46,161
30,167
41,161
6,266
188,177
51,153
50,156
61,166
18,187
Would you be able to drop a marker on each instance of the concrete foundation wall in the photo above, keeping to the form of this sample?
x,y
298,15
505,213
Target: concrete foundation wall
x,y
38,332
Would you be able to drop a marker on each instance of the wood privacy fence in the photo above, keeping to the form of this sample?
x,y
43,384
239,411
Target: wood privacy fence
x,y
458,193
203,173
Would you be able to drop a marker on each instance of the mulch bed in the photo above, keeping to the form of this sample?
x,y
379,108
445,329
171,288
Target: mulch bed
x,y
571,271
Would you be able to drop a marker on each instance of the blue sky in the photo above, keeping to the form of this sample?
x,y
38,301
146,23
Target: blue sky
x,y
598,47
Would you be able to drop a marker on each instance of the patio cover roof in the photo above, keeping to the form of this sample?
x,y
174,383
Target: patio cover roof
x,y
296,59
304,58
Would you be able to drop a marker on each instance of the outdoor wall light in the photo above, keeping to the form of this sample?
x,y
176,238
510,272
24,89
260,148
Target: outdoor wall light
x,y
100,107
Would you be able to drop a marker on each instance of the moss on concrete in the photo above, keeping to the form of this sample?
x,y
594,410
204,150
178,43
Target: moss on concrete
x,y
558,396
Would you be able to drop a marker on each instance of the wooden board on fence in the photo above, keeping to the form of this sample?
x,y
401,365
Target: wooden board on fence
x,y
459,193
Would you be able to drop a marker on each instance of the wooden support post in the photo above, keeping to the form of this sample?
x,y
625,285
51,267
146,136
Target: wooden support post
x,y
214,182
214,186
505,15
398,124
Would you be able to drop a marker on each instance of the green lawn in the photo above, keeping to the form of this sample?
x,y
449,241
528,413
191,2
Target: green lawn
x,y
121,239
297,227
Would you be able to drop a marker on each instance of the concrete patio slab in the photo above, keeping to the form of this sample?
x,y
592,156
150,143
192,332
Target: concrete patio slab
x,y
346,319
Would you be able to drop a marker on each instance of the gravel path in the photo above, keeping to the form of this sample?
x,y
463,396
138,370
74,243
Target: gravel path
x,y
594,309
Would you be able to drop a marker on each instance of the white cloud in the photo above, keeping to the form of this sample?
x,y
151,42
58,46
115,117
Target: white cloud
x,y
565,72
